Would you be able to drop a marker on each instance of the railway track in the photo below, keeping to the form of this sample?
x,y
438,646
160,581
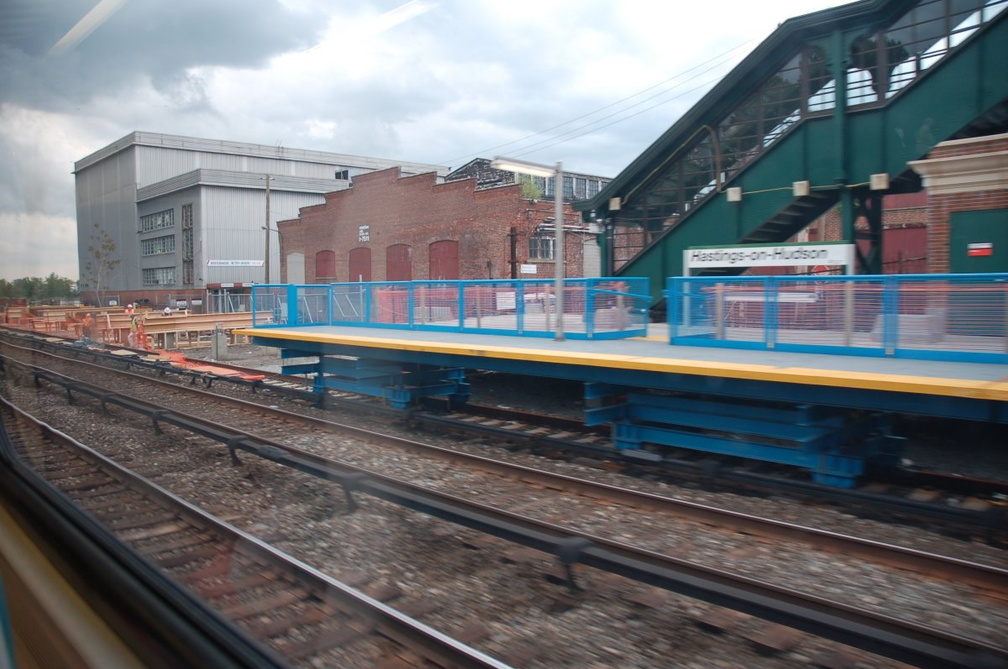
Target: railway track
x,y
928,498
302,616
963,506
830,621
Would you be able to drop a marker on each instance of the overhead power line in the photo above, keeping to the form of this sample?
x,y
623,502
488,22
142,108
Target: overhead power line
x,y
664,96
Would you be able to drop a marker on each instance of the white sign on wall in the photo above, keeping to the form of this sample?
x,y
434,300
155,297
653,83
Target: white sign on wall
x,y
235,263
768,255
528,269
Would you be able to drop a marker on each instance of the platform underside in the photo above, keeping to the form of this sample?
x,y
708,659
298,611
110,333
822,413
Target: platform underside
x,y
825,413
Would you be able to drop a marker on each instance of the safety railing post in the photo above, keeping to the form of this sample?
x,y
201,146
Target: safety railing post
x,y
291,300
1004,324
848,312
719,324
366,294
771,312
891,287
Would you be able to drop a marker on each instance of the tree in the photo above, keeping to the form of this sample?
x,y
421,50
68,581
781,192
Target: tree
x,y
102,261
36,289
530,191
29,287
57,287
865,55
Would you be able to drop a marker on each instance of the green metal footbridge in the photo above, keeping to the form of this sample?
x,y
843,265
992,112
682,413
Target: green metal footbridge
x,y
827,111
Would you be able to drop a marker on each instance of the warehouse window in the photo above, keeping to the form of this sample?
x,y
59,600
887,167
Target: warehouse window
x,y
159,221
541,247
580,187
158,246
188,266
159,276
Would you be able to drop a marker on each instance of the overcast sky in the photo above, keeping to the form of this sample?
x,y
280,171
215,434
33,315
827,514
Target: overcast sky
x,y
591,83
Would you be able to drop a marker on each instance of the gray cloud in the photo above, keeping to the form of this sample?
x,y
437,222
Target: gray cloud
x,y
145,39
438,81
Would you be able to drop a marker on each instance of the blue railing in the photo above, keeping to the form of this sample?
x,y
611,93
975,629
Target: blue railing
x,y
962,317
597,308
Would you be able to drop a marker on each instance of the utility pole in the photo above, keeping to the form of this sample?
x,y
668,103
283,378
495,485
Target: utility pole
x,y
560,251
513,261
267,228
537,170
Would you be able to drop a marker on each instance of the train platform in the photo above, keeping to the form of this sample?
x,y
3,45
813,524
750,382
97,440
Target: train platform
x,y
651,355
798,408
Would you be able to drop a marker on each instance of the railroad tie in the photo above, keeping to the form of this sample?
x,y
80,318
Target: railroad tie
x,y
719,620
649,598
471,633
774,639
834,659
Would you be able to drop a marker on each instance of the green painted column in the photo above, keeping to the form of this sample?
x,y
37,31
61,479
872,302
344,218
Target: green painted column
x,y
841,141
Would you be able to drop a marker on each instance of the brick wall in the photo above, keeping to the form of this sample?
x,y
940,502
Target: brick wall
x,y
942,206
970,147
904,218
417,211
975,190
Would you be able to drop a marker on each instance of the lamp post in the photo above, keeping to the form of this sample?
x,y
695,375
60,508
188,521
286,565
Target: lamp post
x,y
266,267
537,170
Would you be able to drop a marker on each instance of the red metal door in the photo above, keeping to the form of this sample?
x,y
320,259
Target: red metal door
x,y
398,264
360,264
444,260
325,266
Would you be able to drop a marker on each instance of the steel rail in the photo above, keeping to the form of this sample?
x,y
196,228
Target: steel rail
x,y
991,523
890,637
433,645
983,576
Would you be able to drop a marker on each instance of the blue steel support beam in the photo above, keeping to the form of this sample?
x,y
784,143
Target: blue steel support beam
x,y
854,398
836,451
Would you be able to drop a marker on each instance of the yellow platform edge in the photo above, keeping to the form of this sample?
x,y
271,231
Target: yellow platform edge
x,y
899,383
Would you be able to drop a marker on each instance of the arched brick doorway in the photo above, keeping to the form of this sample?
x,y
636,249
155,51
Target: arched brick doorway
x,y
444,260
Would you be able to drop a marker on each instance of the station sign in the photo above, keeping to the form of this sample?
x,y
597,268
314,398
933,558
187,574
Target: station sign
x,y
768,255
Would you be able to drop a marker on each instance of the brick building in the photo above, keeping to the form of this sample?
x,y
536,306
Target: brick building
x,y
390,227
904,232
576,186
190,220
957,224
967,185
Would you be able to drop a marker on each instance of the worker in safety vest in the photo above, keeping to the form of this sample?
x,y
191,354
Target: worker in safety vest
x,y
131,338
141,335
87,326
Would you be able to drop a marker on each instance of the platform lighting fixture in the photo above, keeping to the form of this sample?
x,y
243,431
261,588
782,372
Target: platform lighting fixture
x,y
879,181
537,170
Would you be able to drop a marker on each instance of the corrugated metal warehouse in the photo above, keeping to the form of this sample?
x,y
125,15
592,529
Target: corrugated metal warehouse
x,y
178,219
